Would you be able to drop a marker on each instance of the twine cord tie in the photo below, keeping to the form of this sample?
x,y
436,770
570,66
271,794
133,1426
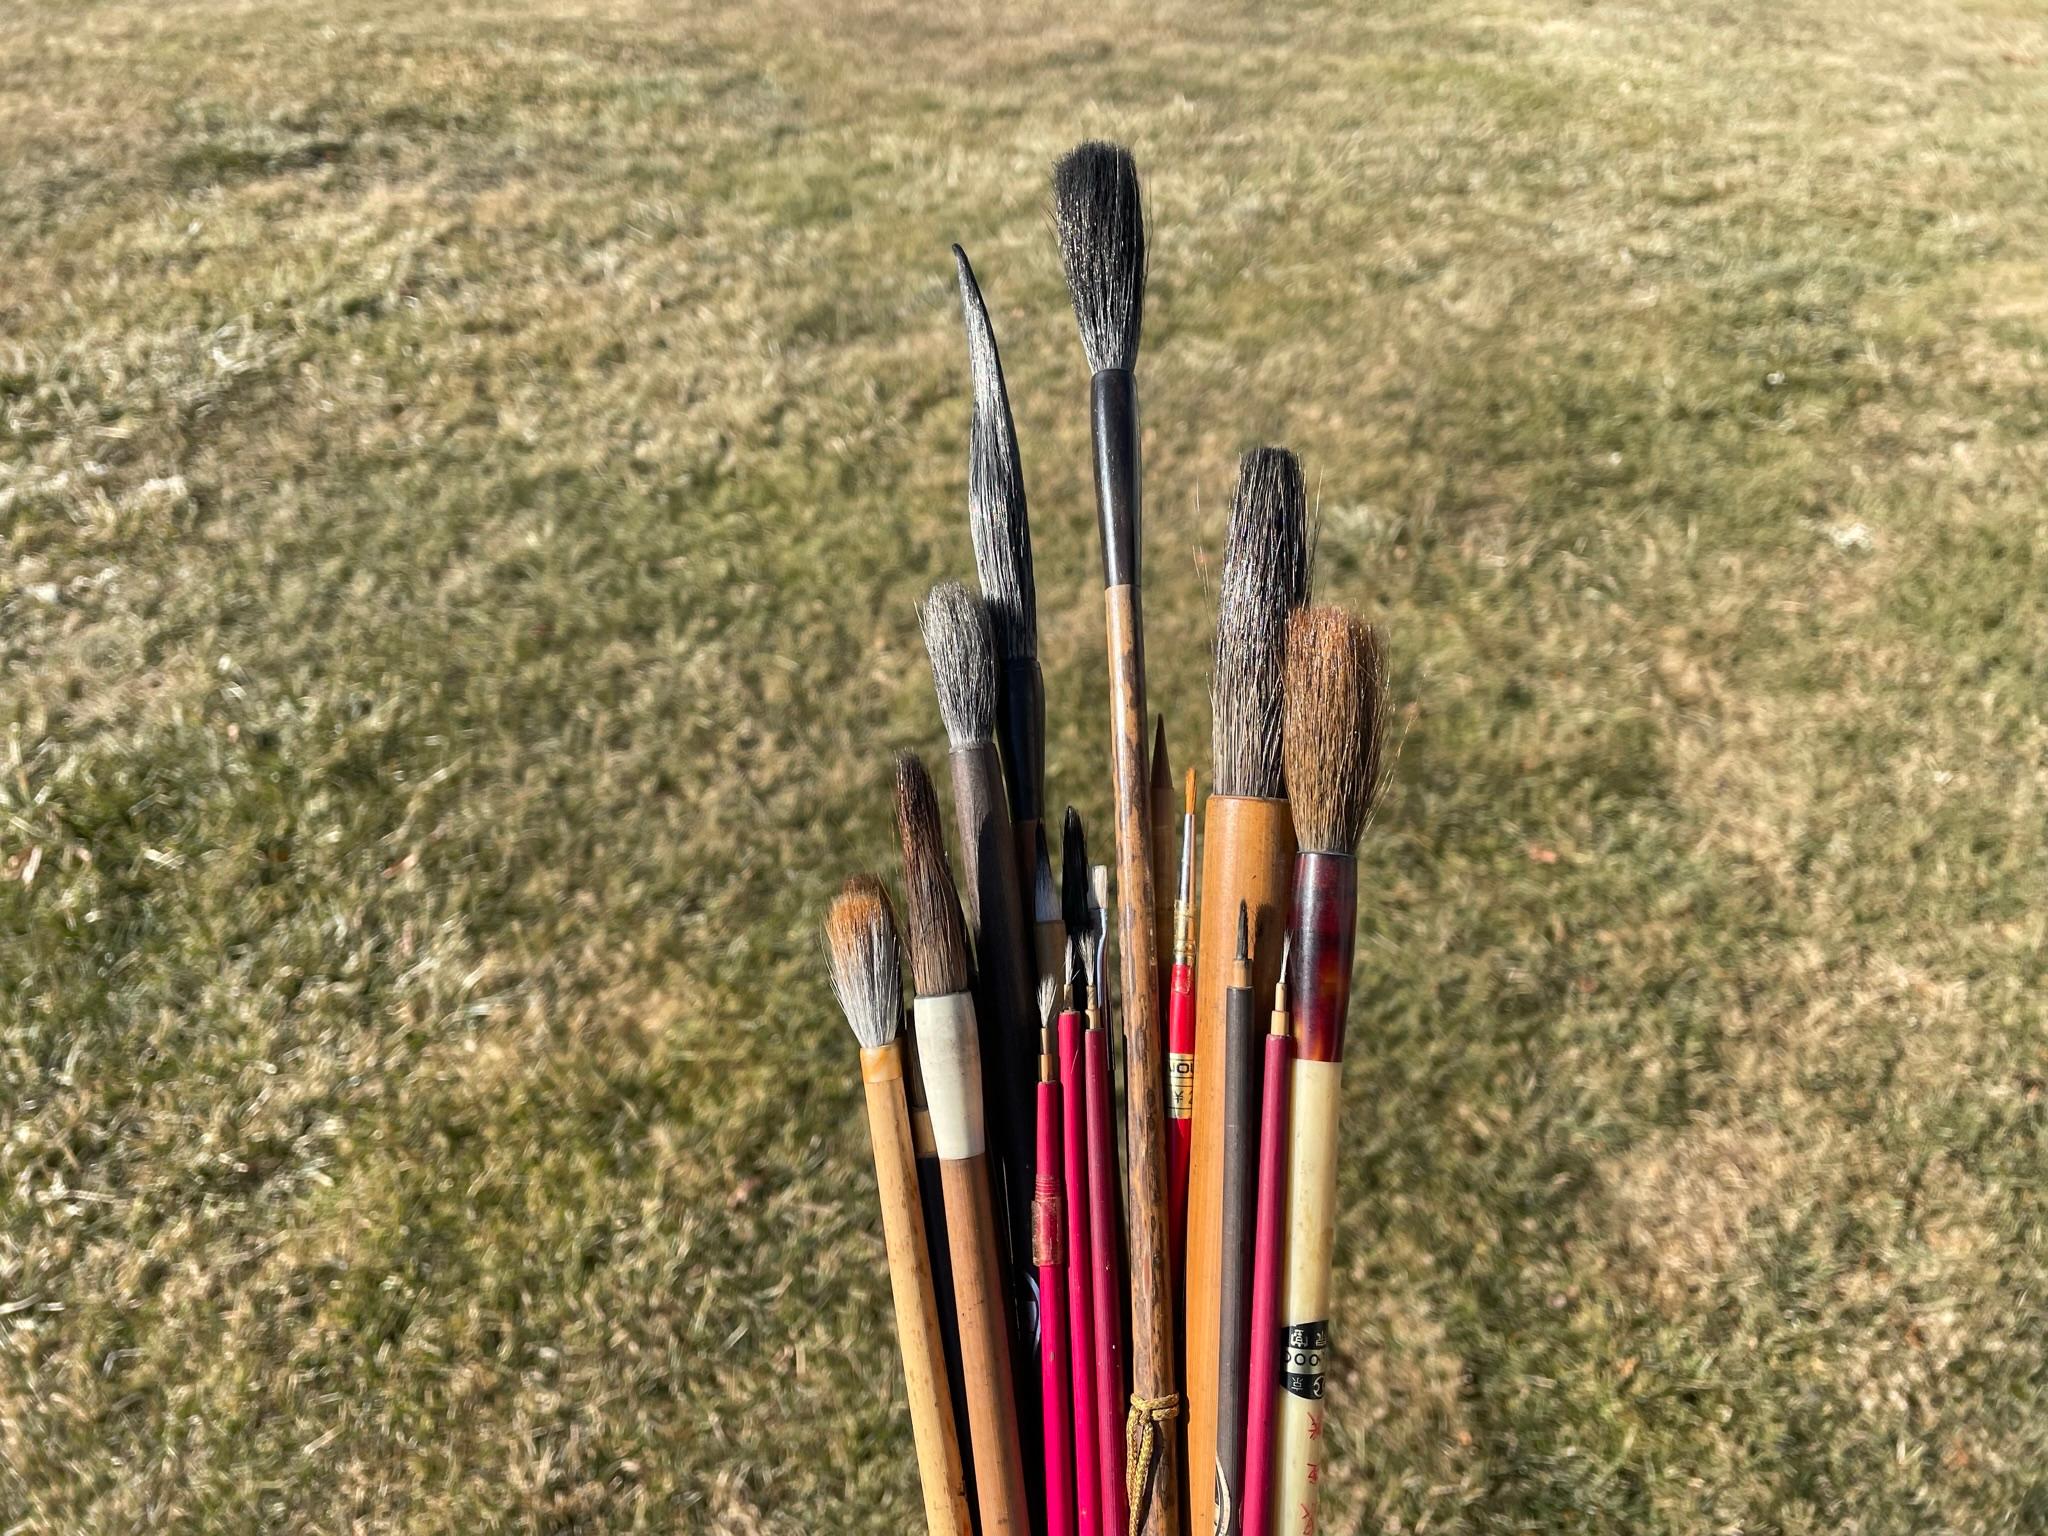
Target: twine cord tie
x,y
1141,1444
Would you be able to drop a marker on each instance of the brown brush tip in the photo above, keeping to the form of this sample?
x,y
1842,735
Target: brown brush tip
x,y
1188,799
1099,214
1265,578
1336,721
963,655
866,967
931,903
996,513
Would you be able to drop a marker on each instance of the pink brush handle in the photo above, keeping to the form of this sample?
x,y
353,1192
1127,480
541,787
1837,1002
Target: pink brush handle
x,y
1180,1104
1268,1264
1111,1503
1079,1278
1048,1252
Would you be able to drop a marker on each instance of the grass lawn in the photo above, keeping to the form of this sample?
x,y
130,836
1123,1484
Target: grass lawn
x,y
465,476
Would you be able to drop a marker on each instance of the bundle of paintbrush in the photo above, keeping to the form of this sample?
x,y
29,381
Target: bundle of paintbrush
x,y
1113,1303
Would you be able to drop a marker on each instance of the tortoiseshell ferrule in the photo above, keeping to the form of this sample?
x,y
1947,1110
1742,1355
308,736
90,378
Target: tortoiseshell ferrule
x,y
1322,938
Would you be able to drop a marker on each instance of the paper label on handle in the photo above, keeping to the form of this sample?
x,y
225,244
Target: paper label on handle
x,y
1303,1350
1180,1085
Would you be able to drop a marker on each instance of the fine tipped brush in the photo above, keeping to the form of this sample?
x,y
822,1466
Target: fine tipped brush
x,y
1079,1101
950,1055
1240,1171
1100,219
1105,1225
1262,1325
1162,799
1335,722
1247,858
1000,525
867,978
1049,932
958,637
1048,1253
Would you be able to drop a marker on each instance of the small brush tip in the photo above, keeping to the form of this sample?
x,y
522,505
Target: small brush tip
x,y
1048,1000
1244,932
1188,805
865,964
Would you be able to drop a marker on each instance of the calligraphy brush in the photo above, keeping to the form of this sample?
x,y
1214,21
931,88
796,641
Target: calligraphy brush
x,y
867,978
1000,524
1101,226
958,637
1247,857
1335,723
1262,1370
1105,1220
1240,1160
1048,1253
950,1055
1087,1395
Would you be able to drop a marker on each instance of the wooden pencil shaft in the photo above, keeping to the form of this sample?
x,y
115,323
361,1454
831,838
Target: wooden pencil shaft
x,y
1247,856
1152,1341
1242,1044
916,1299
1323,935
985,1349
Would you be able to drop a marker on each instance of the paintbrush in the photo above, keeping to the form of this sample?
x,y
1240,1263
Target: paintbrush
x,y
958,637
1105,1223
1240,1170
998,520
1247,857
1101,225
1335,723
950,1055
1048,1253
1262,1370
1049,932
867,978
1087,1395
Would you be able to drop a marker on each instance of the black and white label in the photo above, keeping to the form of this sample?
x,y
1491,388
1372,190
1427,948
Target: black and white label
x,y
1302,1349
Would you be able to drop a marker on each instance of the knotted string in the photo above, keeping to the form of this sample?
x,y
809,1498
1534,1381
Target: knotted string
x,y
1141,1437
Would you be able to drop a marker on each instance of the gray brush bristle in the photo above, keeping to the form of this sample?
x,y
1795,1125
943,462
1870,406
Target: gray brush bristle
x,y
997,516
1099,213
962,648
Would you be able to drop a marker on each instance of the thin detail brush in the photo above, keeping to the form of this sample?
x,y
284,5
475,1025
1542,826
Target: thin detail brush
x,y
1180,1033
1262,1327
1048,1253
1240,1175
1335,723
1100,219
1088,1394
950,1055
1247,858
867,978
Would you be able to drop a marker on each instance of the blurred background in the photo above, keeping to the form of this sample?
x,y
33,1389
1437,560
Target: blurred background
x,y
465,477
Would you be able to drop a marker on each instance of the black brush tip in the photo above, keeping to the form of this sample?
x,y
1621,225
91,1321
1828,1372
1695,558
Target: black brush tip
x,y
997,515
1098,210
1244,932
1073,873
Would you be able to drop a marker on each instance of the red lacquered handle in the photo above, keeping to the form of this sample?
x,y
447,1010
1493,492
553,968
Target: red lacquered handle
x,y
1267,1268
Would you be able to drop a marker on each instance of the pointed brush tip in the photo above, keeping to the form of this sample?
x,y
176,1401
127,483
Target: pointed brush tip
x,y
1244,932
1190,797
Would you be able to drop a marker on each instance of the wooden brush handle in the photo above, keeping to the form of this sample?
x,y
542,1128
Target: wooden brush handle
x,y
985,1349
1152,1351
917,1307
1300,1408
1247,856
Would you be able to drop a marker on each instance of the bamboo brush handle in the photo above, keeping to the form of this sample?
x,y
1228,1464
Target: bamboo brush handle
x,y
1305,1297
985,1349
1152,1365
1247,856
917,1307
